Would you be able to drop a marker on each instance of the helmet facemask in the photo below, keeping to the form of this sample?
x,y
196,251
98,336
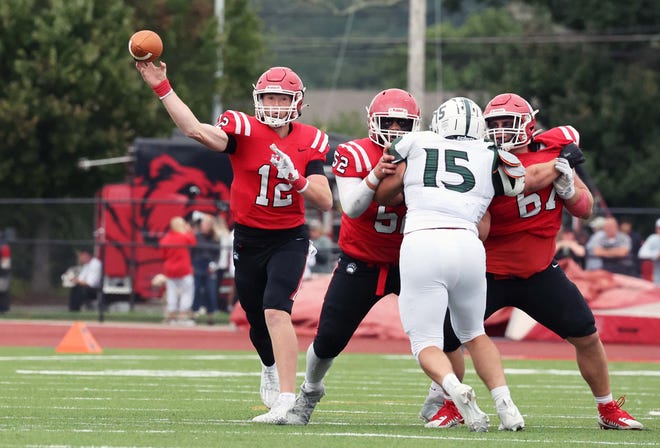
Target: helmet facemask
x,y
278,80
520,117
379,126
277,116
510,137
388,107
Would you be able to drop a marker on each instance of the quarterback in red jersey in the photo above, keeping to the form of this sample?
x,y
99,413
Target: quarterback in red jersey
x,y
520,247
278,167
369,240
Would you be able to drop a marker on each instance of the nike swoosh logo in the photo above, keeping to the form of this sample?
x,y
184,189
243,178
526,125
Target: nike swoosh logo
x,y
554,265
302,149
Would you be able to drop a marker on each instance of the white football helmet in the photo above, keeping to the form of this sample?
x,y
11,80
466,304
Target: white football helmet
x,y
459,117
515,107
278,80
388,106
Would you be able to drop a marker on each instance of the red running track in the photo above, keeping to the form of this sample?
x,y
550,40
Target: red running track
x,y
16,333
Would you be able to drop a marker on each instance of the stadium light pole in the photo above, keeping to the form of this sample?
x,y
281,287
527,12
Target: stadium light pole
x,y
219,9
416,53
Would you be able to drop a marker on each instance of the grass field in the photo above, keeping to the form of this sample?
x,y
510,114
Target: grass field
x,y
163,398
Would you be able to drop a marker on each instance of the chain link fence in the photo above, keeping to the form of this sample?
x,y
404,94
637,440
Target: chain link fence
x,y
44,234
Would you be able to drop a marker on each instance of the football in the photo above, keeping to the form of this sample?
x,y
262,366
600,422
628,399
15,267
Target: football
x,y
145,46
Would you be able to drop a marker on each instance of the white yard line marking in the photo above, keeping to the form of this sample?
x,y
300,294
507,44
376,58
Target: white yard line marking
x,y
474,438
125,357
141,373
575,372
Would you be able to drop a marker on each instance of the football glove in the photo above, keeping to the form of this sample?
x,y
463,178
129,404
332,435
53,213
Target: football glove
x,y
573,154
287,170
284,165
565,183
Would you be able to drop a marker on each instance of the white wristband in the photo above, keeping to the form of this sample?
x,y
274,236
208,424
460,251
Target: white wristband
x,y
166,95
305,187
373,180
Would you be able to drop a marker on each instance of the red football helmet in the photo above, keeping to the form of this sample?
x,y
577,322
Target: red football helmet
x,y
510,105
278,80
387,107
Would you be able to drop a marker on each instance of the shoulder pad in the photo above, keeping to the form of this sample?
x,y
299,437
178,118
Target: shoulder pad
x,y
512,185
511,165
507,158
514,172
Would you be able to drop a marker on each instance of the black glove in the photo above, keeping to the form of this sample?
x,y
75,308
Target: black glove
x,y
573,154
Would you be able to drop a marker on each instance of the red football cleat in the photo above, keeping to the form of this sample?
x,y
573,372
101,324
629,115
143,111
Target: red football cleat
x,y
611,416
446,417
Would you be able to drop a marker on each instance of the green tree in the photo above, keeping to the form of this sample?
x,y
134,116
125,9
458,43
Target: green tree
x,y
70,90
604,84
189,30
612,94
242,55
202,64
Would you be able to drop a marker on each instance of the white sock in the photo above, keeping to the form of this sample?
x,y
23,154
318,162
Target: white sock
x,y
436,391
604,399
316,369
499,393
449,382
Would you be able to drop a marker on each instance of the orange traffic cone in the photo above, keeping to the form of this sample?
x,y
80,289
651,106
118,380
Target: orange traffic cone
x,y
78,340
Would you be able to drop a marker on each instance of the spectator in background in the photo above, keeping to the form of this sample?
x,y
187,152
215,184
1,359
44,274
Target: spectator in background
x,y
225,261
636,241
324,260
592,262
612,247
650,250
205,256
226,267
85,280
180,286
5,273
568,247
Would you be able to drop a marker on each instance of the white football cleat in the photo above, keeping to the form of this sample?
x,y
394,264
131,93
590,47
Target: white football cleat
x,y
466,401
277,414
270,385
510,417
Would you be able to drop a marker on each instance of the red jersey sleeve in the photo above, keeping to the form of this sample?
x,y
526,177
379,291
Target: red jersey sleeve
x,y
356,158
557,138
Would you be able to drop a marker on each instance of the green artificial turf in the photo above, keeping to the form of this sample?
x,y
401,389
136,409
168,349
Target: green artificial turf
x,y
167,398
